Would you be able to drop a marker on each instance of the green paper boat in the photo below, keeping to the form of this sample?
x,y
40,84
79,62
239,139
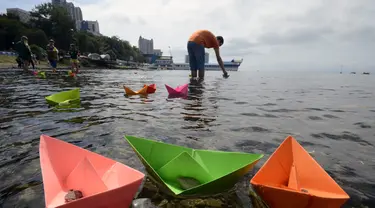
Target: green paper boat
x,y
213,171
65,98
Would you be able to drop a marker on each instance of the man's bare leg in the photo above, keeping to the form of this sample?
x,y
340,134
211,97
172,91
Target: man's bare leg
x,y
201,74
193,74
25,66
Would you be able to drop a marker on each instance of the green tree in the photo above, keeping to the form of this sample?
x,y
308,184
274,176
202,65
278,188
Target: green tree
x,y
55,22
38,51
37,37
50,21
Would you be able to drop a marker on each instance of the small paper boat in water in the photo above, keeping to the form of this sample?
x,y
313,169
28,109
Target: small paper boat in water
x,y
179,91
292,178
40,74
103,182
150,88
71,74
147,89
185,171
64,98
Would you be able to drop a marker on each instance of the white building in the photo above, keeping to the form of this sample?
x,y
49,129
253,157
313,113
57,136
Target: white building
x,y
146,46
22,14
90,26
206,58
158,52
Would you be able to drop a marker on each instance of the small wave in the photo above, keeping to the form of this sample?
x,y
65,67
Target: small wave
x,y
252,129
348,136
240,103
315,118
251,145
314,109
363,125
281,110
258,115
269,104
329,116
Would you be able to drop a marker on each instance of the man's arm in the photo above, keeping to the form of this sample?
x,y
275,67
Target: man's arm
x,y
219,60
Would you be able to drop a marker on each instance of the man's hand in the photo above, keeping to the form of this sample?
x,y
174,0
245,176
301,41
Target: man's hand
x,y
225,75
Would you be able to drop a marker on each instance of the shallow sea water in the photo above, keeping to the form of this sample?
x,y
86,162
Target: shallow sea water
x,y
331,115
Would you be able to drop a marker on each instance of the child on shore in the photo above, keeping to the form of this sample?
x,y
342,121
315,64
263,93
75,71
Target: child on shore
x,y
52,54
74,54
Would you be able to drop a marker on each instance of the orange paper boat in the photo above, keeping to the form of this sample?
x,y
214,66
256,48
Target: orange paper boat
x,y
102,181
292,178
142,91
150,88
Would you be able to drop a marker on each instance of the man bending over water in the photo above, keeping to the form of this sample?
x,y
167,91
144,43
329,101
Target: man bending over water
x,y
197,42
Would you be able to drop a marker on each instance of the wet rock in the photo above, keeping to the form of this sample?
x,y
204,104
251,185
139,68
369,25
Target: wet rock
x,y
73,195
143,203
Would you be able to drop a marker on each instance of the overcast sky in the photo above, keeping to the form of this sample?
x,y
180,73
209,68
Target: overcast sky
x,y
268,35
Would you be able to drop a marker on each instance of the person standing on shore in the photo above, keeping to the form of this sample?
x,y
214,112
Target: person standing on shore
x,y
74,53
196,45
52,54
24,52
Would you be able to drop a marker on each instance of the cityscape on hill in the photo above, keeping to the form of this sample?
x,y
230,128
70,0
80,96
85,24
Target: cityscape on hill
x,y
110,49
74,12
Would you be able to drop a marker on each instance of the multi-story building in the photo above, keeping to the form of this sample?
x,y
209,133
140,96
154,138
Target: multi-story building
x,y
70,7
158,52
206,58
59,2
74,12
146,46
22,14
90,26
78,14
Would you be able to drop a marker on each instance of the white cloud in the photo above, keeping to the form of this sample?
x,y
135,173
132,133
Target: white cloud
x,y
273,34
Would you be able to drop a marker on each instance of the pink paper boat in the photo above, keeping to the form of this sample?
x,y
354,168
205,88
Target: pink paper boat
x,y
179,91
102,181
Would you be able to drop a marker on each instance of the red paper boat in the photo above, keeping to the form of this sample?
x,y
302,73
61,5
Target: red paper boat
x,y
102,181
150,88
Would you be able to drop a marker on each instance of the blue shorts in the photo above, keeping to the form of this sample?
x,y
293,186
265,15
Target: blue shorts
x,y
53,63
196,56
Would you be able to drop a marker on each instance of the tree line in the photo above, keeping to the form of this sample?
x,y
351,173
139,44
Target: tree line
x,y
53,22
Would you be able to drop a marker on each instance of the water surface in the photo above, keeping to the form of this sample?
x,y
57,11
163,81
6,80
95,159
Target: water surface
x,y
331,115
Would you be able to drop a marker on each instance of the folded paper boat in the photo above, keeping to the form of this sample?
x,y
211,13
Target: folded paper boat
x,y
142,91
179,91
71,96
292,178
150,88
216,171
102,181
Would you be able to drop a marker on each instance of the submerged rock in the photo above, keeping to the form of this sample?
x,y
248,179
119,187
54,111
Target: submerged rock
x,y
187,182
143,203
73,195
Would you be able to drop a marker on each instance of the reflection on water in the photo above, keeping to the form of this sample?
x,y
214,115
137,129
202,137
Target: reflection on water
x,y
332,116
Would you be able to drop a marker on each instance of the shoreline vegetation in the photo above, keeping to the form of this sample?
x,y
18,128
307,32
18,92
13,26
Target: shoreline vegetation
x,y
53,22
9,62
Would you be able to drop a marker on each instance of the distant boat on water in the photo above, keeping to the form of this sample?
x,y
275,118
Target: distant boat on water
x,y
366,73
353,72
